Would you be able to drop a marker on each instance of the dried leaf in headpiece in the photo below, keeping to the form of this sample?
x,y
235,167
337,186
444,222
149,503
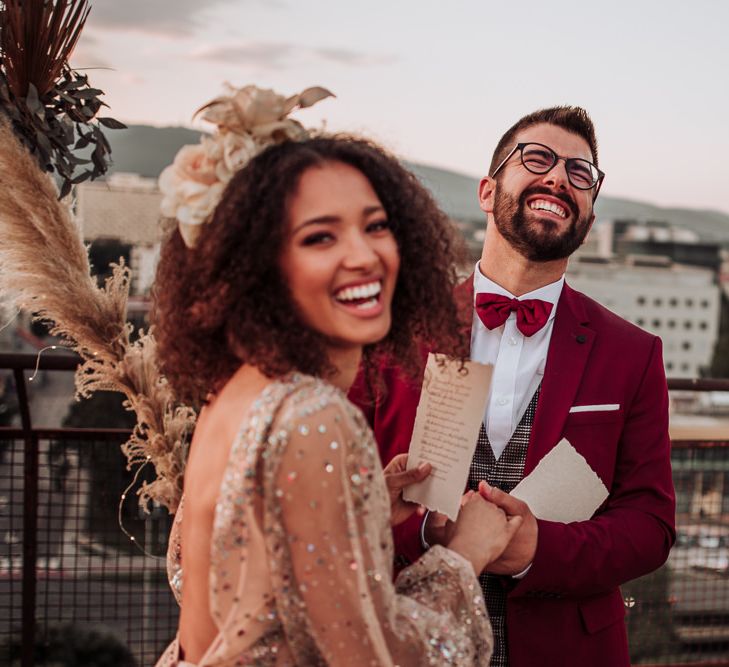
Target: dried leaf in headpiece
x,y
247,120
52,107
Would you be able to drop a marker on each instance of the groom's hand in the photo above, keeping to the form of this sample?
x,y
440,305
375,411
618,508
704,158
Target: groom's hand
x,y
519,554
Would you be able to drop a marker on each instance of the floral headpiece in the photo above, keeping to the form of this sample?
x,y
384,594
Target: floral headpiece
x,y
248,120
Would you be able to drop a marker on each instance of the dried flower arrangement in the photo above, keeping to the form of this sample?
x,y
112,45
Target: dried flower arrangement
x,y
49,111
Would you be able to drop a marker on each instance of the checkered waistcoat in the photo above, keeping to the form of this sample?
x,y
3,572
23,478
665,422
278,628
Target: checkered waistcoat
x,y
504,474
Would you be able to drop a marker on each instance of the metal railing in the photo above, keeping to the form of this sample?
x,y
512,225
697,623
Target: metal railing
x,y
69,576
71,582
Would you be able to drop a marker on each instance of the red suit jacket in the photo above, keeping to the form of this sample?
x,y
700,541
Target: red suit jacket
x,y
568,611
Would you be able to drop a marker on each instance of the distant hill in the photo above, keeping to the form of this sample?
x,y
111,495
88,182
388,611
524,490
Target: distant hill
x,y
147,150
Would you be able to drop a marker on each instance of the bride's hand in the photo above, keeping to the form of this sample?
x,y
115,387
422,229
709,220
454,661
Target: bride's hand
x,y
482,531
396,479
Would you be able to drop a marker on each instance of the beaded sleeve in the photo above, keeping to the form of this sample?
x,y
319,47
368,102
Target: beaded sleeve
x,y
326,517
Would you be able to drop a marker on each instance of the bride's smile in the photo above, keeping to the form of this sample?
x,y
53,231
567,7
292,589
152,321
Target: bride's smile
x,y
340,258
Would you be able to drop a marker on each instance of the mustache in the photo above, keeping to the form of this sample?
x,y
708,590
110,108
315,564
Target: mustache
x,y
542,190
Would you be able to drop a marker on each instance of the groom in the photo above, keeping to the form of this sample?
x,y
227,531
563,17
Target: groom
x,y
564,367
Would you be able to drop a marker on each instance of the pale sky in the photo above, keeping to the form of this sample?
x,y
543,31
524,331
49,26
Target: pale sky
x,y
439,82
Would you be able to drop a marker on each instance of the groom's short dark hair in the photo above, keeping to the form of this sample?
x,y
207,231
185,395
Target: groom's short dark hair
x,y
572,119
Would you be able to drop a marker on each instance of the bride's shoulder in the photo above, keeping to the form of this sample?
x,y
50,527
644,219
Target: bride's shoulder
x,y
317,433
310,405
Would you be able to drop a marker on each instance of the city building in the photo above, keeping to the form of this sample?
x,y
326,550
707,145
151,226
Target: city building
x,y
679,303
124,208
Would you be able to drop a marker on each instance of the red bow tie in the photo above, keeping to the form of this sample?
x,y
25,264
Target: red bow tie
x,y
494,310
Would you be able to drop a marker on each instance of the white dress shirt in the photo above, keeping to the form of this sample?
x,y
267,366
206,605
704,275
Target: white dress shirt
x,y
518,360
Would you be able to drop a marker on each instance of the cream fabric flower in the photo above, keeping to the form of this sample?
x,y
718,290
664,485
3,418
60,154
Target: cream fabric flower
x,y
190,188
238,150
248,120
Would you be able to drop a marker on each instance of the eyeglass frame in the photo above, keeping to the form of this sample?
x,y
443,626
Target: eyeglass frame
x,y
520,147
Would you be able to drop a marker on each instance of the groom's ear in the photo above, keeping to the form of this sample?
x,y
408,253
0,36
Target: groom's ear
x,y
486,193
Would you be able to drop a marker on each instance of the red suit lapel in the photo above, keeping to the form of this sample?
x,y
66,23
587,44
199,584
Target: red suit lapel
x,y
569,349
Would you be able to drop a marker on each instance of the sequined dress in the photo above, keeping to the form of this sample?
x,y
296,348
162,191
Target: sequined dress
x,y
301,556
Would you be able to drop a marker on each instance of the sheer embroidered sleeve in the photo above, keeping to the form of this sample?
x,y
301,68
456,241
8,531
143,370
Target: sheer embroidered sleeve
x,y
326,516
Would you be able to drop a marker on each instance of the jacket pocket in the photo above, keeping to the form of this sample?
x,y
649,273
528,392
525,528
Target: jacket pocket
x,y
600,612
594,417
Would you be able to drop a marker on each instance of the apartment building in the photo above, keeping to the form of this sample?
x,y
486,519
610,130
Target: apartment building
x,y
679,303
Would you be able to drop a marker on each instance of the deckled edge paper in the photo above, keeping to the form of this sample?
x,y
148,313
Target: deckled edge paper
x,y
562,487
447,422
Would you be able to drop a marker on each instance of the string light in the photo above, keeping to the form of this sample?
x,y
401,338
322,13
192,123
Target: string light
x,y
131,537
38,356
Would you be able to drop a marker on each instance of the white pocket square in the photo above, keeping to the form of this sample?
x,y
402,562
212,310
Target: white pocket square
x,y
604,407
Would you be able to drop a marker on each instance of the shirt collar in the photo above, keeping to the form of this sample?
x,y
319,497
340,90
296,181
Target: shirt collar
x,y
549,293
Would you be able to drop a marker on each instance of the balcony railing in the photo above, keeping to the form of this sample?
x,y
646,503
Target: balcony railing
x,y
70,580
69,577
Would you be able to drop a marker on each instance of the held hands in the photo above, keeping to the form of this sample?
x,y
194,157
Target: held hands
x,y
396,479
520,551
482,531
494,530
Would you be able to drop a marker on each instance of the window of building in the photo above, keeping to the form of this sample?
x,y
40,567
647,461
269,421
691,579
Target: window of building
x,y
673,302
640,301
689,303
688,324
669,366
704,303
703,326
686,345
656,324
671,324
684,367
657,302
640,321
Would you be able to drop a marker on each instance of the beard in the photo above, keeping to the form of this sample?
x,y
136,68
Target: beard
x,y
538,241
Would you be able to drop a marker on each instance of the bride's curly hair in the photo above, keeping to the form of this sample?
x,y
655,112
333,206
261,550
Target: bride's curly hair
x,y
226,302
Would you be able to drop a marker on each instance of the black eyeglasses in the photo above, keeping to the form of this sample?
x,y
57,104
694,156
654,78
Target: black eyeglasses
x,y
539,159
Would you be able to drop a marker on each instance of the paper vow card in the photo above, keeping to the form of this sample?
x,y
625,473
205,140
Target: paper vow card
x,y
562,487
449,415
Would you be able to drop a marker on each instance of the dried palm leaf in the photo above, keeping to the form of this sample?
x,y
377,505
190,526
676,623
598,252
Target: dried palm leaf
x,y
52,107
37,38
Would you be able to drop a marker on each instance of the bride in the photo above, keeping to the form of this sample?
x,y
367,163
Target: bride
x,y
322,254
